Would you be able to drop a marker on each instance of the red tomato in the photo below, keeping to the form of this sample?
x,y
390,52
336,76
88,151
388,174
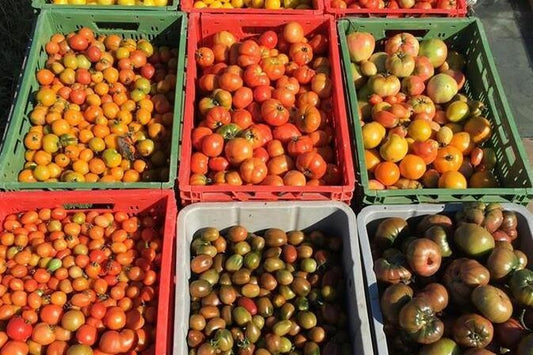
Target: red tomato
x,y
14,348
199,163
230,81
204,57
217,117
249,53
249,304
18,329
218,164
86,334
286,133
115,318
311,164
286,97
242,118
253,170
237,150
242,97
274,113
288,83
198,134
262,93
213,145
301,53
308,119
255,76
273,67
300,145
268,39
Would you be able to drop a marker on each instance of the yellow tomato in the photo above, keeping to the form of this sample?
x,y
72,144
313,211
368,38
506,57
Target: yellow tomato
x,y
61,2
216,5
126,2
106,2
77,2
272,4
148,3
227,5
290,4
237,3
200,5
258,4
160,2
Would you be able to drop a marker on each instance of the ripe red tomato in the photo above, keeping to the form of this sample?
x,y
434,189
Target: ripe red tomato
x,y
286,97
86,334
262,93
115,318
304,74
217,117
213,145
248,53
242,118
285,133
273,67
268,39
311,164
230,81
238,150
218,164
199,163
242,97
301,53
299,145
319,43
288,83
204,57
198,134
18,329
274,113
255,76
253,170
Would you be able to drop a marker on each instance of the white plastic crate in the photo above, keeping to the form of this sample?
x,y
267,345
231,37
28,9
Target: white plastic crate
x,y
367,222
331,217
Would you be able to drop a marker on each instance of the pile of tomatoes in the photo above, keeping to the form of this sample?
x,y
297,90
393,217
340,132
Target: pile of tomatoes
x,y
112,2
394,4
254,4
103,112
81,283
272,294
455,283
418,129
264,111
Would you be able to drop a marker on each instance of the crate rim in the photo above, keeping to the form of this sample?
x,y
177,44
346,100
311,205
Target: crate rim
x,y
522,194
187,6
45,5
18,106
460,11
347,186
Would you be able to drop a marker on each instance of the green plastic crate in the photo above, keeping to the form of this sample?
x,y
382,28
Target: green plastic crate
x,y
483,83
162,28
47,4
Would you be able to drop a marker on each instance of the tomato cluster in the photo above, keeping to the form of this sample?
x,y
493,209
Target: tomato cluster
x,y
254,4
278,293
264,111
394,4
112,2
103,112
418,129
453,284
78,283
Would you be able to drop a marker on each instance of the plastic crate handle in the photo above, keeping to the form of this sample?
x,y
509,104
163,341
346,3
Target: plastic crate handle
x,y
108,26
88,206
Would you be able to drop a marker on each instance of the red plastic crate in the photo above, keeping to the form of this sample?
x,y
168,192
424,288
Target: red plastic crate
x,y
201,29
160,203
318,9
460,11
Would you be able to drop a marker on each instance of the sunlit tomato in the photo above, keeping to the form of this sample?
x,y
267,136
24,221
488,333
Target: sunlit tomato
x,y
274,112
204,57
268,39
249,53
18,329
300,145
285,133
238,150
285,96
304,74
242,97
255,76
293,32
308,119
448,158
253,170
14,348
213,145
229,81
273,67
242,118
301,53
217,117
43,334
115,318
311,164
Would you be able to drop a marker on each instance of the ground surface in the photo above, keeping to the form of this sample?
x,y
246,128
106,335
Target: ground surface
x,y
509,27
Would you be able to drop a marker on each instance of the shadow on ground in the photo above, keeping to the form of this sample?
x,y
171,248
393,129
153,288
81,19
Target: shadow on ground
x,y
16,20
